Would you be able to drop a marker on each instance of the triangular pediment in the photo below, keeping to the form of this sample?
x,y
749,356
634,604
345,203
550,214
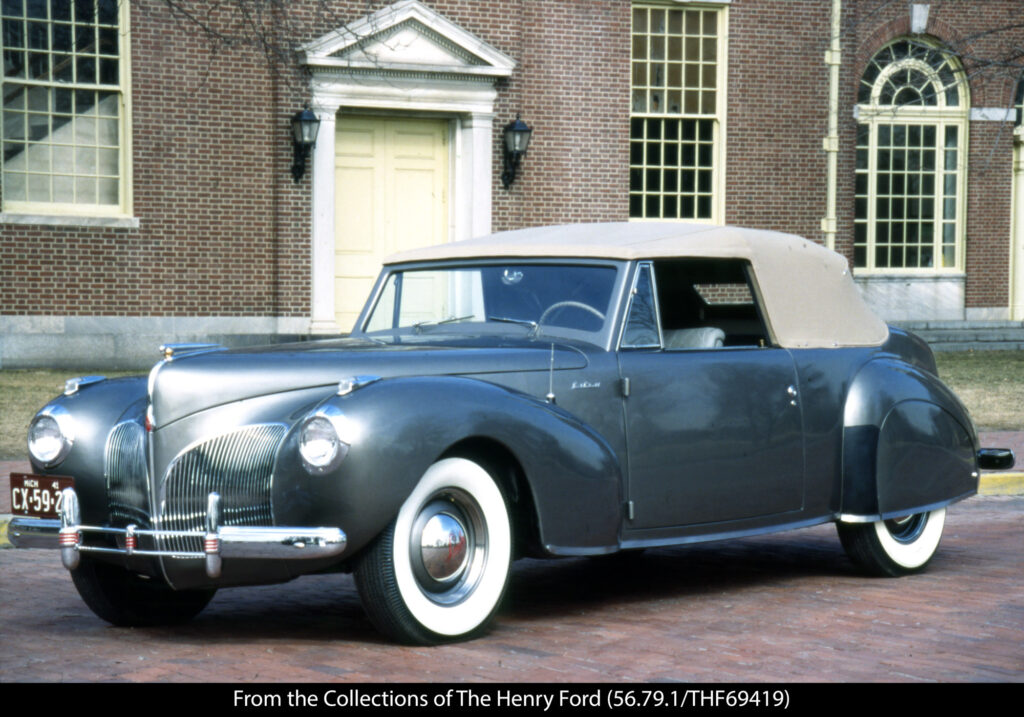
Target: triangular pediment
x,y
408,37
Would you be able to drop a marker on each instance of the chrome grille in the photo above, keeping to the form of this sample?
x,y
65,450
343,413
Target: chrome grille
x,y
124,468
238,465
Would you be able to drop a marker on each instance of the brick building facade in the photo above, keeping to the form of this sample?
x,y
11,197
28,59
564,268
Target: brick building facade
x,y
147,193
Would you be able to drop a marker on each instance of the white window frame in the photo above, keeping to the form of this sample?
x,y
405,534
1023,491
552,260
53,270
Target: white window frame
x,y
874,115
717,117
83,214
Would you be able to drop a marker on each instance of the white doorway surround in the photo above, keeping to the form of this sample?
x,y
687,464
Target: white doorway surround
x,y
1017,239
403,60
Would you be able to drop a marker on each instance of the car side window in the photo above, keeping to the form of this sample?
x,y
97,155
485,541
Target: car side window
x,y
708,303
641,329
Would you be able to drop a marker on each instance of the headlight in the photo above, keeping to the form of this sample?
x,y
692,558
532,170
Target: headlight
x,y
320,444
51,435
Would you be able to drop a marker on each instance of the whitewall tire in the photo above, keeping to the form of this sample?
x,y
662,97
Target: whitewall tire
x,y
439,571
894,547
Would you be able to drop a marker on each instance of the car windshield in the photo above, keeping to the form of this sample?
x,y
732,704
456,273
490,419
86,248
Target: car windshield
x,y
517,299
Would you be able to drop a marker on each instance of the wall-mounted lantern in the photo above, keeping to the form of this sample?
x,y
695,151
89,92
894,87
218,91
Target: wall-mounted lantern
x,y
517,139
305,125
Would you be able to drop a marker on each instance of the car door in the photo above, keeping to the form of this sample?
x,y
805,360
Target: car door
x,y
714,431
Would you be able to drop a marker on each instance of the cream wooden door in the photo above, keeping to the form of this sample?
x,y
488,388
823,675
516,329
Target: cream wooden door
x,y
391,194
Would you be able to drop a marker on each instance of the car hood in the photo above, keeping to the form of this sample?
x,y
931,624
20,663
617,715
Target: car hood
x,y
189,383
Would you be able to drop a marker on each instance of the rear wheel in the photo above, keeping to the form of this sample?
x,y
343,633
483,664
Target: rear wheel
x,y
439,571
127,599
894,547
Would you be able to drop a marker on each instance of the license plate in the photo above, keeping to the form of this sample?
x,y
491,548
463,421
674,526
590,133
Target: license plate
x,y
38,496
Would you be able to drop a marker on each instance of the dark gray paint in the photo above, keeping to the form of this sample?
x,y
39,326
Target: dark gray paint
x,y
707,445
713,436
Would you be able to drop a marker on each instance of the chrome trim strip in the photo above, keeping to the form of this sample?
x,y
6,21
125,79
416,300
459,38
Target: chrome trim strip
x,y
280,542
232,541
890,514
852,518
631,293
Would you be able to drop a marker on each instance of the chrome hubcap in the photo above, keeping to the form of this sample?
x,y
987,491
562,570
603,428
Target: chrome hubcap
x,y
448,547
443,547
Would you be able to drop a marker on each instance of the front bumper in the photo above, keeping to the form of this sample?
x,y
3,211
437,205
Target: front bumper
x,y
220,542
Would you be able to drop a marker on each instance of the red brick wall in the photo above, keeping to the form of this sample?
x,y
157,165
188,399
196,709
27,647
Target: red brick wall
x,y
989,187
778,115
572,87
225,231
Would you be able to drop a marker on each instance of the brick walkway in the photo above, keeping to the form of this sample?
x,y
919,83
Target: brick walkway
x,y
776,608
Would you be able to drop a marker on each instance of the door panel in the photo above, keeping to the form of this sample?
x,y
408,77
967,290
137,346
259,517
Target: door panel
x,y
391,187
714,435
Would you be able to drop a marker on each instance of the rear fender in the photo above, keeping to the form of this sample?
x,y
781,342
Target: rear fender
x,y
908,443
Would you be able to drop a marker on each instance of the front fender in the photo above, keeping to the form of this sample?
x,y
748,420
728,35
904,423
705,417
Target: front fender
x,y
94,410
400,426
908,443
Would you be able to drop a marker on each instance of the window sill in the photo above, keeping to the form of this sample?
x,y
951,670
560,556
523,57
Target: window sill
x,y
896,275
62,220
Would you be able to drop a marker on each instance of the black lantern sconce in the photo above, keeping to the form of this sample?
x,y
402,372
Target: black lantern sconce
x,y
517,139
305,125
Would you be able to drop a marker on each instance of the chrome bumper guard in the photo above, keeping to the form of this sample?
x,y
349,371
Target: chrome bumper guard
x,y
219,542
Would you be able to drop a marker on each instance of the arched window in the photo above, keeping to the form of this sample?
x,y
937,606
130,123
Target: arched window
x,y
911,139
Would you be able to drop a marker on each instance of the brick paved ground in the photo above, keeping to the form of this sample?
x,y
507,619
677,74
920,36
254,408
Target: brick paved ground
x,y
777,608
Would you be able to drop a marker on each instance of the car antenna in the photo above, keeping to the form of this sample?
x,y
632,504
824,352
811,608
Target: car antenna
x,y
551,377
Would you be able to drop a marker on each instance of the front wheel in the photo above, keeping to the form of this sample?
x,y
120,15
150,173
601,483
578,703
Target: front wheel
x,y
126,599
439,571
899,546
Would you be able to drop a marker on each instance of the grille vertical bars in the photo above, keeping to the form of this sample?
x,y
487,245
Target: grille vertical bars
x,y
127,476
239,465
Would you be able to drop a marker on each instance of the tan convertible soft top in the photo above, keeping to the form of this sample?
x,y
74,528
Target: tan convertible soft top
x,y
809,296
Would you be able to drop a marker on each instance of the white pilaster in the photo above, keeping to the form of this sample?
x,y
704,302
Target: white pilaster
x,y
478,131
323,225
1017,236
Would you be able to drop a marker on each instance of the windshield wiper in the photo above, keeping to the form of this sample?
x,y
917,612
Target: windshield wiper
x,y
522,322
433,322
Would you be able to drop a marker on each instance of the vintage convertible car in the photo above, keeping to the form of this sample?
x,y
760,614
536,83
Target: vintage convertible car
x,y
561,391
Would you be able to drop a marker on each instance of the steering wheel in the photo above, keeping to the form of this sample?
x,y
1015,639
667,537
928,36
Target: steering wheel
x,y
569,304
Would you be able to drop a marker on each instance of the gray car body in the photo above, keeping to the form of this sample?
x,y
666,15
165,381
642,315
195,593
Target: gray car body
x,y
599,449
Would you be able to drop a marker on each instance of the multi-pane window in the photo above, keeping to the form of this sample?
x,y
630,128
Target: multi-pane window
x,y
909,165
677,66
63,109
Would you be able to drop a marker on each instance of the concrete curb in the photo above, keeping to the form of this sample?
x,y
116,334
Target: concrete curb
x,y
1001,484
